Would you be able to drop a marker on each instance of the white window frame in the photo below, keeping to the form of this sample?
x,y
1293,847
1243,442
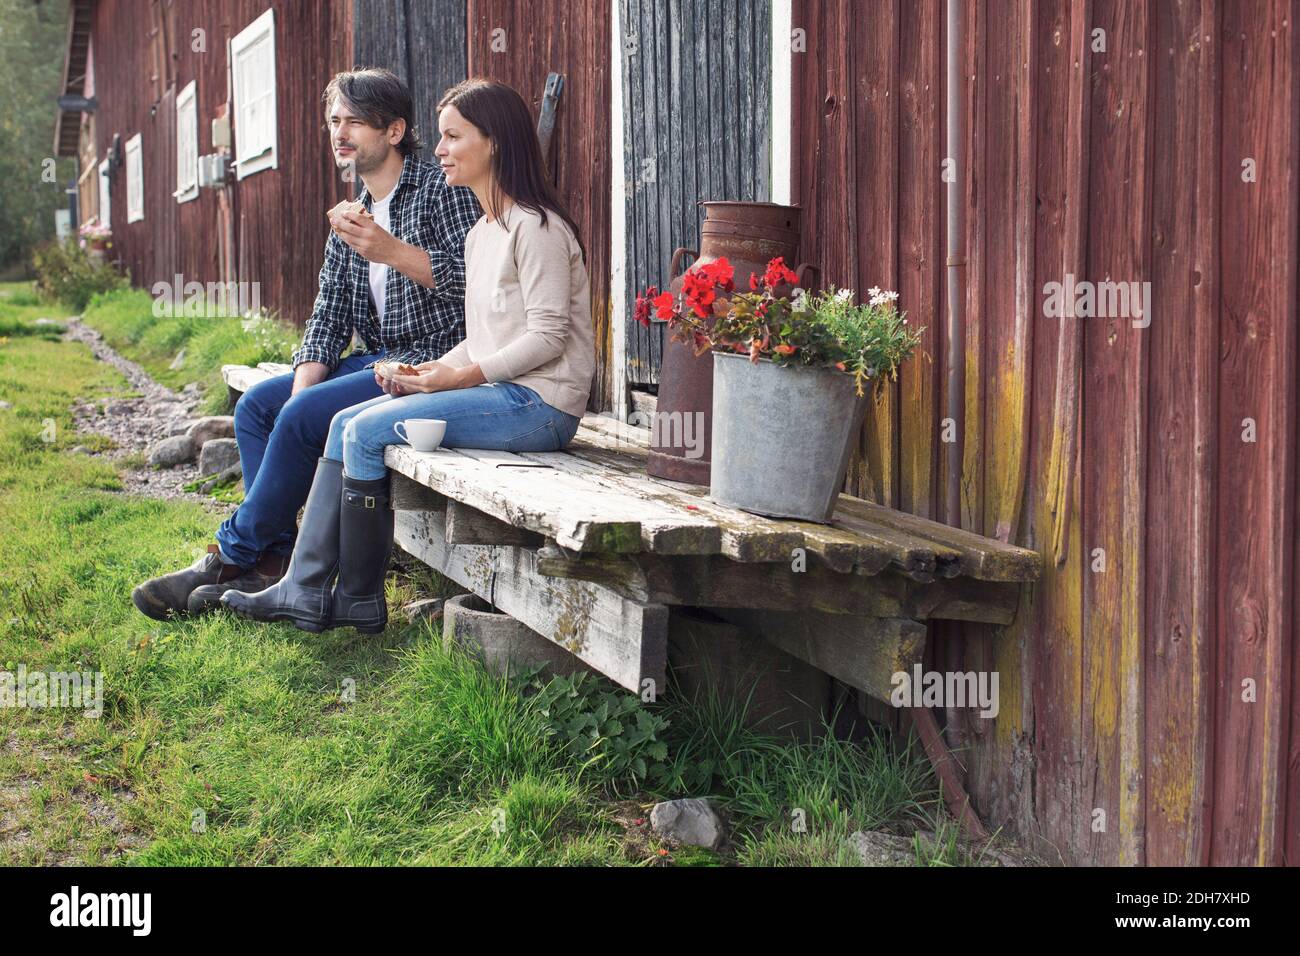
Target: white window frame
x,y
135,179
256,143
105,195
187,144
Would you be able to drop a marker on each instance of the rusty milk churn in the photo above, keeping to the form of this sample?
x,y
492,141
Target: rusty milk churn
x,y
749,235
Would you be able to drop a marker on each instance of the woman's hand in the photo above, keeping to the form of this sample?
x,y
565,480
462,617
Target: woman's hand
x,y
433,377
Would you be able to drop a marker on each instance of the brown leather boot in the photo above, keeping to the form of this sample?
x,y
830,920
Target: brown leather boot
x,y
269,569
168,595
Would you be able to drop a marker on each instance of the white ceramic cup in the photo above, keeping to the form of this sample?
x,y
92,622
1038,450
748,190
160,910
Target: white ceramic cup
x,y
422,434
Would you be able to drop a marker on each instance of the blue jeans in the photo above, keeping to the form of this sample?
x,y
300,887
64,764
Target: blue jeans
x,y
501,416
280,438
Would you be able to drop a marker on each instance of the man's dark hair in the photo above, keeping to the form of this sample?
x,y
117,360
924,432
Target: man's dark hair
x,y
380,98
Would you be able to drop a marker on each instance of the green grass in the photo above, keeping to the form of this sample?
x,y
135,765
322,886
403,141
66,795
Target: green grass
x,y
125,318
227,742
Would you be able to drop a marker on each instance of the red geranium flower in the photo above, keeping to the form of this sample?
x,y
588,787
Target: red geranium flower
x,y
777,272
642,311
666,305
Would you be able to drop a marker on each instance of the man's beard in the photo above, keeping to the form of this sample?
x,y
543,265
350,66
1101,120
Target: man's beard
x,y
364,162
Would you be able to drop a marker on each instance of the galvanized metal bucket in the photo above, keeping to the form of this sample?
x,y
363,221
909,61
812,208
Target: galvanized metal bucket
x,y
781,436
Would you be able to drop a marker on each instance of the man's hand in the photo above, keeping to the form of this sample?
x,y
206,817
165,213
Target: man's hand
x,y
308,374
372,241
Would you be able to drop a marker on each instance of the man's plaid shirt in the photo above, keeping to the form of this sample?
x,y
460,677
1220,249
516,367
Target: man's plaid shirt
x,y
419,324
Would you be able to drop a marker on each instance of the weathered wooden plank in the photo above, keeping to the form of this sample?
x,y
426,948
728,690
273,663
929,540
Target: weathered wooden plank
x,y
612,427
912,555
1183,399
578,515
1012,309
715,581
1256,452
466,525
987,559
837,548
624,640
873,115
864,652
1049,623
581,513
405,494
1113,453
921,269
241,378
742,537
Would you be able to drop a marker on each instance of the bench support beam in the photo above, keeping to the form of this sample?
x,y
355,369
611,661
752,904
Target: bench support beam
x,y
627,641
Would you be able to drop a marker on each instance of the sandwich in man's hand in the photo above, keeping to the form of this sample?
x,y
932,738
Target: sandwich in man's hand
x,y
354,206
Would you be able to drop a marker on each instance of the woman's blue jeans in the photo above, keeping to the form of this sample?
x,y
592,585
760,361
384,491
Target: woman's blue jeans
x,y
500,416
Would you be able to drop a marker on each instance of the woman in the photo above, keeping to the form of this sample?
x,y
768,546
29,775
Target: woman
x,y
518,382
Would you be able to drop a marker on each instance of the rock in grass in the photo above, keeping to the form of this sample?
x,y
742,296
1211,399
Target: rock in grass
x,y
691,821
180,426
882,849
5,406
171,452
82,450
425,609
178,361
228,477
210,427
217,455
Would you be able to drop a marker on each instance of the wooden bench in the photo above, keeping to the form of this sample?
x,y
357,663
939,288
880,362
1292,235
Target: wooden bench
x,y
586,549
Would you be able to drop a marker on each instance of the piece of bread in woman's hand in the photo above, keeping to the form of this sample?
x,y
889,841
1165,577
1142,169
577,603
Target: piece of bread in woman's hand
x,y
389,369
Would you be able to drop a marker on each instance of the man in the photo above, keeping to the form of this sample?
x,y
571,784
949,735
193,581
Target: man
x,y
395,277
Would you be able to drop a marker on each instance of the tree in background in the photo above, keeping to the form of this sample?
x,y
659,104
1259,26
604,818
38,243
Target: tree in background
x,y
32,38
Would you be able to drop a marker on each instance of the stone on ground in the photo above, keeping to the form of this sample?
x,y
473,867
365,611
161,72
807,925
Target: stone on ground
x,y
210,427
171,452
218,455
690,821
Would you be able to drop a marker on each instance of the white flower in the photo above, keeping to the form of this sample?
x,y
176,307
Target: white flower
x,y
874,291
844,295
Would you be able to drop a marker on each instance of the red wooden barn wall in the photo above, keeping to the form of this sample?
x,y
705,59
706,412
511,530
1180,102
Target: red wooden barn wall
x,y
532,40
1121,690
280,222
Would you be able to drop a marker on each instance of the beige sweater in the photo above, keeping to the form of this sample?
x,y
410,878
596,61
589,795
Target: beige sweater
x,y
528,308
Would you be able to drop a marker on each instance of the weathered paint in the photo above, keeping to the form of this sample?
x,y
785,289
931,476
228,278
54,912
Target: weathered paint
x,y
1121,690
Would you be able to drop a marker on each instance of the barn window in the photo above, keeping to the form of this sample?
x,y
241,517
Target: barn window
x,y
252,57
187,144
105,196
134,180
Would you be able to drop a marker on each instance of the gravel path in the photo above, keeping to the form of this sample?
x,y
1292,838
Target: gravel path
x,y
135,424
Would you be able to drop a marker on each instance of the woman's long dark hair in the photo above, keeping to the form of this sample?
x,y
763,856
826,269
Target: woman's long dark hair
x,y
518,169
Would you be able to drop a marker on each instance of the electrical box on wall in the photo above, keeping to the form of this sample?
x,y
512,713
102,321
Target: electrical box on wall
x,y
221,132
214,170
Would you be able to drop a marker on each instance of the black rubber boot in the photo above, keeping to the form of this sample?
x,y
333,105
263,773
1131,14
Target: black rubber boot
x,y
303,596
365,545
